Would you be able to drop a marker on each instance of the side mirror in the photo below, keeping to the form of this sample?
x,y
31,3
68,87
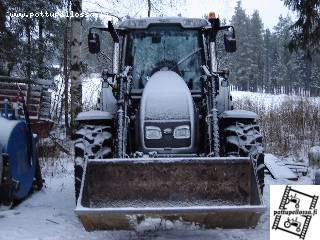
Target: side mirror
x,y
94,43
230,42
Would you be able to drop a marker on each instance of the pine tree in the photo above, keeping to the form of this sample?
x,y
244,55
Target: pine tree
x,y
268,50
287,60
255,49
26,44
306,29
275,80
239,62
314,78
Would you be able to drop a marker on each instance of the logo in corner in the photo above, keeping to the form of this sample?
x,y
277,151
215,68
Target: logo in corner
x,y
293,216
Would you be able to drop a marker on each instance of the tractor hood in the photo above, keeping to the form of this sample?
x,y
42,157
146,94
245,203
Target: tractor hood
x,y
166,108
166,97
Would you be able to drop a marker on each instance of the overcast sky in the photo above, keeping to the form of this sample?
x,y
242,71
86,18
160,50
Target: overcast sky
x,y
269,10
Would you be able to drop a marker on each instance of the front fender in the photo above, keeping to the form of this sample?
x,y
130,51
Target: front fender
x,y
94,115
238,114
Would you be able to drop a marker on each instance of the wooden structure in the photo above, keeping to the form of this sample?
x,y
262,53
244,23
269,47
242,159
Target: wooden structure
x,y
38,99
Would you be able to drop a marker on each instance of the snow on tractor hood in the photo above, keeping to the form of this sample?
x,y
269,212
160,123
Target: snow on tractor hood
x,y
166,97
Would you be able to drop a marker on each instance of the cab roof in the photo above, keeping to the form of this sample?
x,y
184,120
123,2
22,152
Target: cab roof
x,y
144,23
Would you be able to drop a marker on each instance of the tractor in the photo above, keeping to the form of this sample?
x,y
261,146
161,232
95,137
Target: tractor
x,y
294,223
165,141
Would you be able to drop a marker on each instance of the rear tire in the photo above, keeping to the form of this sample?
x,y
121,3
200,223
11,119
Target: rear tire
x,y
243,139
92,142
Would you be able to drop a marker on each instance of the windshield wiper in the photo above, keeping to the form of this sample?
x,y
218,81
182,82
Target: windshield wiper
x,y
186,58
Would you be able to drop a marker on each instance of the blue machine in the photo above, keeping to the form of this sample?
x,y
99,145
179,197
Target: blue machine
x,y
19,164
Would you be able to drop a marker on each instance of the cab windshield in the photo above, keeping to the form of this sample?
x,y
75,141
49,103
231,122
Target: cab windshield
x,y
165,48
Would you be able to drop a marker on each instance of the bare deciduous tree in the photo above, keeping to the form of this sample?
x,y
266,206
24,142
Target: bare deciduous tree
x,y
76,62
138,8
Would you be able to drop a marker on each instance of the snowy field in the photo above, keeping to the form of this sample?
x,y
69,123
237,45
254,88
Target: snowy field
x,y
48,214
270,101
92,85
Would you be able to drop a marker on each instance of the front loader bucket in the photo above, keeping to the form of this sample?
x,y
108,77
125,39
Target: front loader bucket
x,y
210,192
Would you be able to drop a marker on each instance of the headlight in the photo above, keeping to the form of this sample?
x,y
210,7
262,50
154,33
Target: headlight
x,y
153,133
182,132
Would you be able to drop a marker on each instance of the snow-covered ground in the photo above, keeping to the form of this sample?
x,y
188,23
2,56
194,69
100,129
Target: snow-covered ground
x,y
48,214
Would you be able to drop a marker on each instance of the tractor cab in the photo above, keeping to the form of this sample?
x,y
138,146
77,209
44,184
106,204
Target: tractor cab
x,y
161,47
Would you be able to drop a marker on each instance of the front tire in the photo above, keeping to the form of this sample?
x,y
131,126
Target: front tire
x,y
92,142
287,224
242,138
